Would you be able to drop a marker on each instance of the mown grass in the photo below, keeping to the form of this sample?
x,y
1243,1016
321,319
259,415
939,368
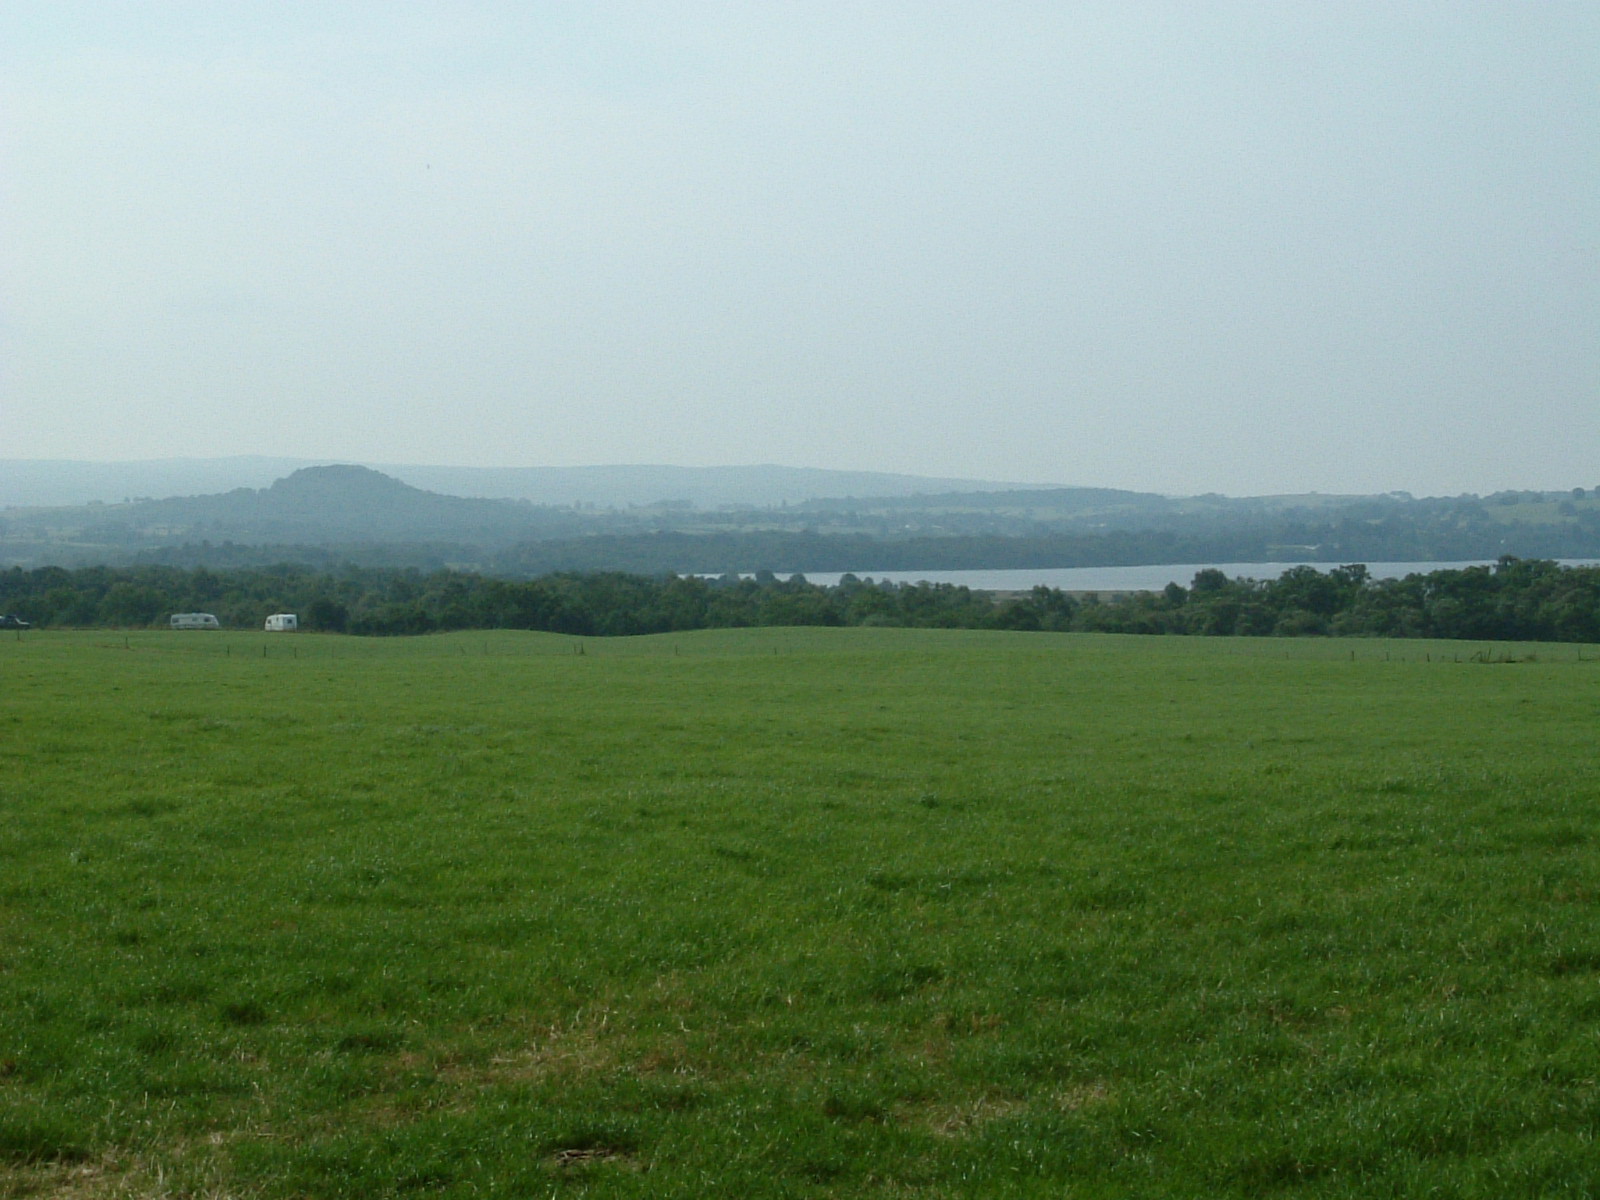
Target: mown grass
x,y
797,913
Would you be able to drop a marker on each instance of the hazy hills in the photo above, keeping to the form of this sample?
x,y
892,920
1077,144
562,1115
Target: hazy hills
x,y
338,503
343,513
31,483
352,506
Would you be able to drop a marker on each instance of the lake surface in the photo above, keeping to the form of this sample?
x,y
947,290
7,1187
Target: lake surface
x,y
1138,579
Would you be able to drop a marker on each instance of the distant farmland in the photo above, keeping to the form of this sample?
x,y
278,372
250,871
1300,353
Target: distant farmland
x,y
789,913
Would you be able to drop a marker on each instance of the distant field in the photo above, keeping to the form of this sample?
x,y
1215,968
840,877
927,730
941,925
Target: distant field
x,y
862,912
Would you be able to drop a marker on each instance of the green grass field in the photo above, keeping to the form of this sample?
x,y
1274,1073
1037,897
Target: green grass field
x,y
797,913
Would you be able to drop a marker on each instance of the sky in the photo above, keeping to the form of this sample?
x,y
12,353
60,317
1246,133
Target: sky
x,y
1236,247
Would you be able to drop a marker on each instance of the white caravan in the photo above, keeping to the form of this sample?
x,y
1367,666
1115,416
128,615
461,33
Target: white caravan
x,y
282,623
194,621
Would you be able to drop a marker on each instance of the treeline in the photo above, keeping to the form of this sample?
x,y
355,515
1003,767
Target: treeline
x,y
1387,538
378,601
1514,600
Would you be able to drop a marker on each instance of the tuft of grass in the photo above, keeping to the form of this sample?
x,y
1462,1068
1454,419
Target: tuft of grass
x,y
243,1012
29,1139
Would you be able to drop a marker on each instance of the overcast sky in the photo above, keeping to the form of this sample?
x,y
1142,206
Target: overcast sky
x,y
1181,247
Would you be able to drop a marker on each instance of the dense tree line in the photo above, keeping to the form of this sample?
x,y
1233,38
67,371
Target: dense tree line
x,y
366,600
1420,531
1515,599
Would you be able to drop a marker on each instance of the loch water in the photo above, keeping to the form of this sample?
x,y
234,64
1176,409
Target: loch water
x,y
1136,579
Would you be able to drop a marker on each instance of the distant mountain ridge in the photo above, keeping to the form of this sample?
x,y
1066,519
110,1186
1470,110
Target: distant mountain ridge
x,y
337,503
42,483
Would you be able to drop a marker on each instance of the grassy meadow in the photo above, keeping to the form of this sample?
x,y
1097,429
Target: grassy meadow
x,y
797,913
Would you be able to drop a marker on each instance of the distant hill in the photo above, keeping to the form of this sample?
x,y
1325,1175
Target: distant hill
x,y
334,503
314,505
33,483
1055,501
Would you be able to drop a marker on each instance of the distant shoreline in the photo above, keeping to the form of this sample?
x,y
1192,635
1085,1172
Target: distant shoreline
x,y
1105,581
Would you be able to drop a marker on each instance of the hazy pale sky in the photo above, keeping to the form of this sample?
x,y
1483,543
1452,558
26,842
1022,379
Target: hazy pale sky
x,y
1182,247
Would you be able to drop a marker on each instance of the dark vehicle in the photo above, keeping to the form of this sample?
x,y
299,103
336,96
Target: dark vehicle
x,y
7,621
